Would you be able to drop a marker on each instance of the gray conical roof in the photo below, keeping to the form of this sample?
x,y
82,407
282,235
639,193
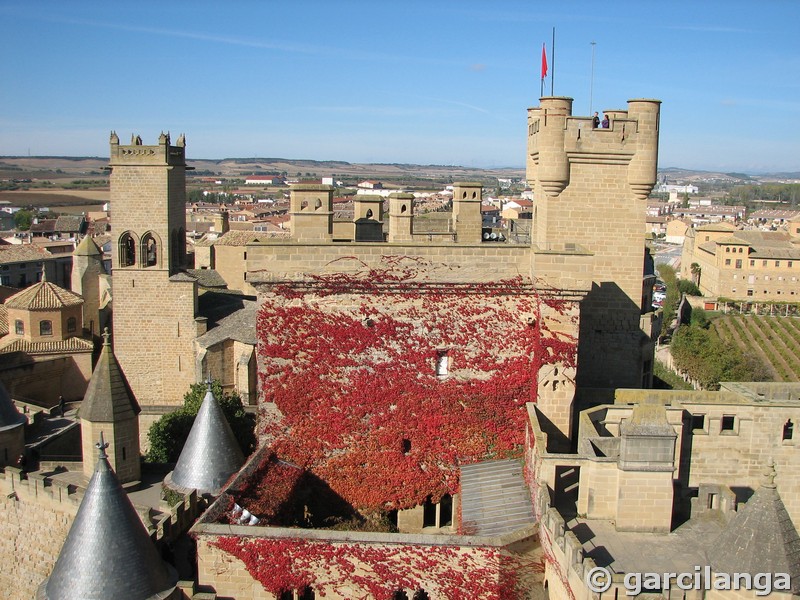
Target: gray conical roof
x,y
108,553
9,415
87,247
211,454
108,397
760,538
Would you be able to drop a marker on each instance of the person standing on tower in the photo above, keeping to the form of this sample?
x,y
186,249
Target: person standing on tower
x,y
595,121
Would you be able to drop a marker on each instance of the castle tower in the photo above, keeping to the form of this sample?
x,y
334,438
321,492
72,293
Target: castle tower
x,y
110,409
155,303
108,552
311,212
590,191
401,217
467,219
87,267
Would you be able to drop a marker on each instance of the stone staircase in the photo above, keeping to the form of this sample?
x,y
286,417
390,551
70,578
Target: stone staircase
x,y
494,498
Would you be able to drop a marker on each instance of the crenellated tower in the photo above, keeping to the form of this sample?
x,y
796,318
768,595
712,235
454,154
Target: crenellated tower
x,y
155,303
590,190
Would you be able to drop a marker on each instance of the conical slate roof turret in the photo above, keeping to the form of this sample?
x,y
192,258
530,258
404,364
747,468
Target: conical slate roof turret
x,y
211,454
760,538
108,553
87,247
108,397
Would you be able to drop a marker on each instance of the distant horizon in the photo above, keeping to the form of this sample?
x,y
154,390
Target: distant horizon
x,y
432,83
412,164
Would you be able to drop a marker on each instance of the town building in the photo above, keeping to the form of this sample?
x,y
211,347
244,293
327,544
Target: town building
x,y
743,265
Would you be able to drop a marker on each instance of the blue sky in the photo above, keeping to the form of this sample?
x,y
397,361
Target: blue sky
x,y
413,82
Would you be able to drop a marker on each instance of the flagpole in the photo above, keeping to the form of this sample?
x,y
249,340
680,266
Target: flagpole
x,y
591,80
553,63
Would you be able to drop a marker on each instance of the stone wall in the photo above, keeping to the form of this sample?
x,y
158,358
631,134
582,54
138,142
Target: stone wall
x,y
154,333
34,521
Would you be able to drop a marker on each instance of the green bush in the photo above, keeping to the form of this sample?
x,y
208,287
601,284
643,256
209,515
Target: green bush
x,y
689,288
168,435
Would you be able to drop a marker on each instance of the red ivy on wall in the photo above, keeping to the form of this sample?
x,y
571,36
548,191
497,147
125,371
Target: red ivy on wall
x,y
350,361
375,572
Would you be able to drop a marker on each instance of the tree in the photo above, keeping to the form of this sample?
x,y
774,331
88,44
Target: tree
x,y
696,270
23,219
688,287
168,435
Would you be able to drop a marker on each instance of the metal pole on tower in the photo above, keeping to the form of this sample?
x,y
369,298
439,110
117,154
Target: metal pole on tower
x,y
553,61
591,81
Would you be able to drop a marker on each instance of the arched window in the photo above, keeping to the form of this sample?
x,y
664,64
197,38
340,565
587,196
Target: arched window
x,y
421,594
72,325
19,327
45,327
127,250
149,250
400,595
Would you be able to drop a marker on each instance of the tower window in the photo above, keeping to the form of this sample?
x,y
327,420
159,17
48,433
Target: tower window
x,y
72,325
149,250
45,327
127,250
728,422
788,430
19,327
698,422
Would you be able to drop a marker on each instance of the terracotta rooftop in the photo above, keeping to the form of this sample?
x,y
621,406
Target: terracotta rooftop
x,y
73,344
16,253
43,296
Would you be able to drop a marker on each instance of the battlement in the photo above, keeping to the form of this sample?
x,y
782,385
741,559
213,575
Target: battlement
x,y
557,140
138,154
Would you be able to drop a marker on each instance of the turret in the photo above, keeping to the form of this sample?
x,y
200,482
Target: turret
x,y
467,219
110,409
401,217
108,552
87,267
311,212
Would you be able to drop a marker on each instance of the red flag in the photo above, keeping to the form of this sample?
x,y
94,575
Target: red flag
x,y
544,62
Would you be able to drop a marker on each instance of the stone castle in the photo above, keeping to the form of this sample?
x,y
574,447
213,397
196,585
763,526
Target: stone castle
x,y
440,378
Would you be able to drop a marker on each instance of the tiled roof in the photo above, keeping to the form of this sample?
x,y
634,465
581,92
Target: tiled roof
x,y
3,320
73,344
45,226
16,253
238,238
208,278
44,296
70,223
